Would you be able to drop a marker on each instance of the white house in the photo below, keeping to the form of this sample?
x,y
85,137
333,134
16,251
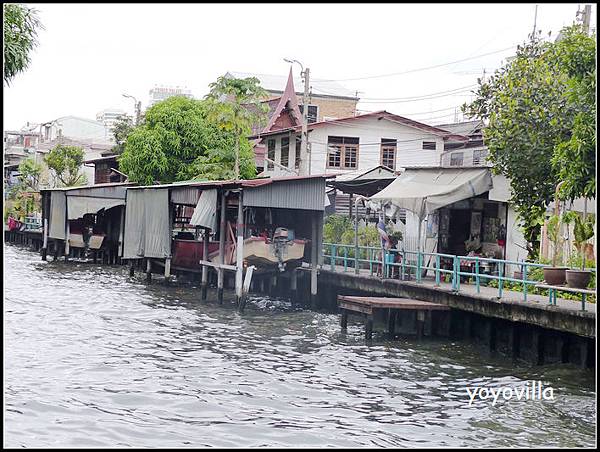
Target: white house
x,y
357,143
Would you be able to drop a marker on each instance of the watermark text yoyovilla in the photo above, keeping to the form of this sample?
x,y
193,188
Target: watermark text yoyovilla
x,y
531,390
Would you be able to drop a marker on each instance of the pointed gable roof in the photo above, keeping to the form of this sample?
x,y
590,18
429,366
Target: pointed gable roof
x,y
287,100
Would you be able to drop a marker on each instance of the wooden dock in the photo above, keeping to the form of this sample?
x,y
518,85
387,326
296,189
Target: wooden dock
x,y
391,307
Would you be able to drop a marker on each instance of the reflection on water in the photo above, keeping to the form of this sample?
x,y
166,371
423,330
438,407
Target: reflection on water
x,y
95,358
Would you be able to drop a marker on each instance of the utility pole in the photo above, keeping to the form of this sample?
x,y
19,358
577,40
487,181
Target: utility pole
x,y
304,143
534,23
585,19
138,108
304,147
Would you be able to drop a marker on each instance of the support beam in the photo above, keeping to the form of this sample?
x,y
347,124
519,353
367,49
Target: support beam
x,y
222,233
391,323
205,267
239,251
344,320
148,270
368,327
121,232
294,285
67,247
131,268
313,260
167,269
45,246
420,323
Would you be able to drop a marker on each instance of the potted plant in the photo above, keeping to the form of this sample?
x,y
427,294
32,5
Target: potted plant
x,y
555,275
583,231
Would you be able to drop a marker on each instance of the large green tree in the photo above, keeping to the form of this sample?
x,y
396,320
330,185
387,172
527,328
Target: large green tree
x,y
65,163
21,26
532,112
235,105
575,159
180,139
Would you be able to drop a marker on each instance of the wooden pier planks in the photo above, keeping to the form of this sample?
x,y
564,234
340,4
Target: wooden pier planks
x,y
366,306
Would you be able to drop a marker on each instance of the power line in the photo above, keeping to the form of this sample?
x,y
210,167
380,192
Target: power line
x,y
418,69
416,100
473,85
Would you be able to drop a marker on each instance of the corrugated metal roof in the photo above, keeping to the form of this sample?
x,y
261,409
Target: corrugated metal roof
x,y
232,183
90,187
294,193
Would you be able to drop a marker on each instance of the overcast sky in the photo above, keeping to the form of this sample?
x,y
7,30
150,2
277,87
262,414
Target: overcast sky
x,y
90,54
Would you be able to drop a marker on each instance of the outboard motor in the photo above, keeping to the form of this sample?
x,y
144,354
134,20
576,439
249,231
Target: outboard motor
x,y
280,244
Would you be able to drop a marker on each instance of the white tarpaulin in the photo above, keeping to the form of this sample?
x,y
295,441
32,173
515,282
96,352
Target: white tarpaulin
x,y
78,206
205,213
424,190
147,224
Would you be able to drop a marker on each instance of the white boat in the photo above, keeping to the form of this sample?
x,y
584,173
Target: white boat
x,y
260,252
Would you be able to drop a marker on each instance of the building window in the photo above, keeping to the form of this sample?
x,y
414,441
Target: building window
x,y
342,152
388,153
479,156
285,151
298,148
270,153
456,159
430,145
313,112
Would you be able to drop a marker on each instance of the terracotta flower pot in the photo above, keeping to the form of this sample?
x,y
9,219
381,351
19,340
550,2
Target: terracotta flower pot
x,y
578,279
555,276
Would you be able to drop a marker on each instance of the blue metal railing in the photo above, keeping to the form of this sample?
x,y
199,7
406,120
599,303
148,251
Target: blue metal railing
x,y
451,268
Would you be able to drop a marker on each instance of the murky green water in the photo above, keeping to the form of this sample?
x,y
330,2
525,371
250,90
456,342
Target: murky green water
x,y
94,358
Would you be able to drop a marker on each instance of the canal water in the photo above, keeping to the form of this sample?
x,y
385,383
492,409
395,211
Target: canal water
x,y
95,358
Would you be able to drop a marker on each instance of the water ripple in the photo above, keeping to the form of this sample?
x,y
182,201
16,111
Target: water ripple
x,y
94,358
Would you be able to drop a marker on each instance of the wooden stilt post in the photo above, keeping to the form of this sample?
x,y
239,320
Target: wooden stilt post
x,y
148,269
45,246
222,233
167,269
131,268
205,267
239,252
344,320
121,233
294,285
420,323
313,261
368,327
391,323
67,248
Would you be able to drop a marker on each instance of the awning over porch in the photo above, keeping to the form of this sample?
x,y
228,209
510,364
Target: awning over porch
x,y
424,190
